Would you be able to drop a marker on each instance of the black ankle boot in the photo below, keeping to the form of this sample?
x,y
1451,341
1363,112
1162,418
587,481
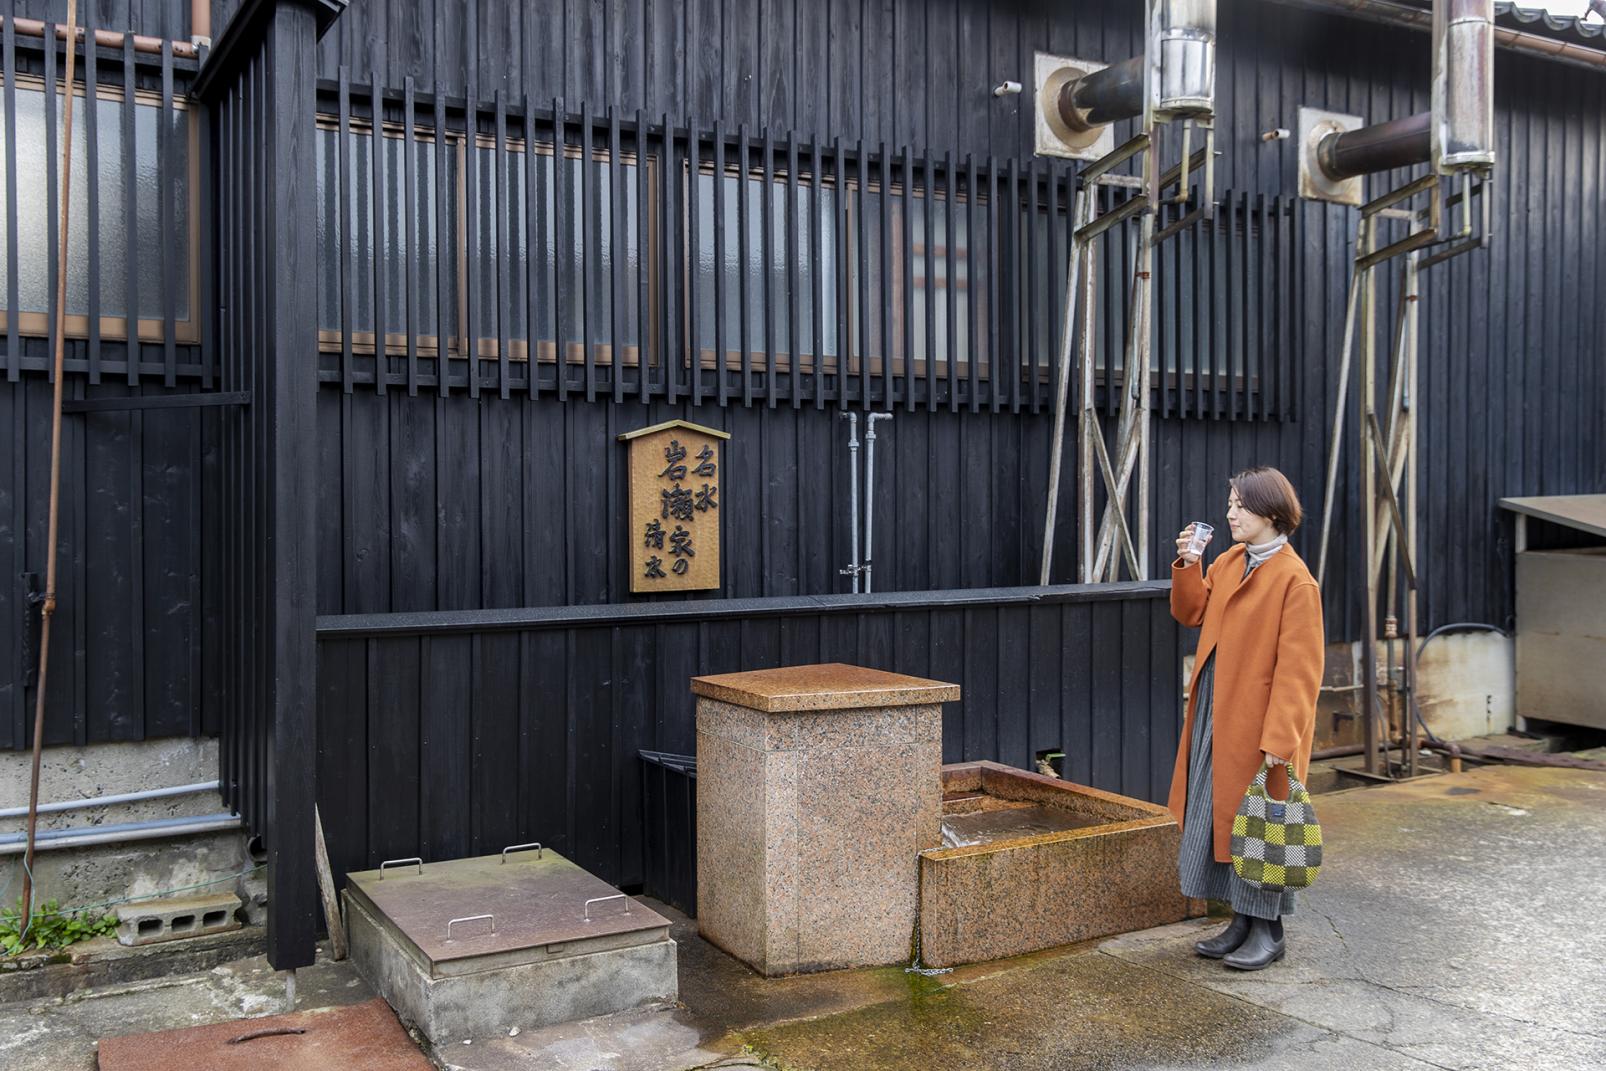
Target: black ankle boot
x,y
1263,947
1225,941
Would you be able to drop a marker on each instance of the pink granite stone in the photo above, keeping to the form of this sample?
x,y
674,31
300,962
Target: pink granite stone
x,y
810,824
1008,897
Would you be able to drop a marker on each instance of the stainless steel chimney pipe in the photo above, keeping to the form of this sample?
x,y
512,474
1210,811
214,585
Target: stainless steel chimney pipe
x,y
1183,51
1463,83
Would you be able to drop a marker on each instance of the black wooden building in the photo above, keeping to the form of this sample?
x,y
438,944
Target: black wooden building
x,y
341,479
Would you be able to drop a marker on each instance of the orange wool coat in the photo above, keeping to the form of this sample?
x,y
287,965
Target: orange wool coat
x,y
1266,632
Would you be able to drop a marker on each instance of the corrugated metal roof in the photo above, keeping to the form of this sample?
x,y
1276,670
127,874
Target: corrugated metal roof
x,y
1539,21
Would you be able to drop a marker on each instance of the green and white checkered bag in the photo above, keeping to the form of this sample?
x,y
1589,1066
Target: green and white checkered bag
x,y
1276,845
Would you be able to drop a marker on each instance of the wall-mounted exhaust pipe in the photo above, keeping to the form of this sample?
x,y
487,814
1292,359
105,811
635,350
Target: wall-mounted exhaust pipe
x,y
1379,147
1459,131
1105,96
1175,76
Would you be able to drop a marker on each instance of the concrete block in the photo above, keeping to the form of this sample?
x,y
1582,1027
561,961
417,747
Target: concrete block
x,y
490,1002
153,921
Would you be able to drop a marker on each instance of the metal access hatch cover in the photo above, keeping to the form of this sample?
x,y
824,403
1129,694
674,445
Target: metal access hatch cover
x,y
500,910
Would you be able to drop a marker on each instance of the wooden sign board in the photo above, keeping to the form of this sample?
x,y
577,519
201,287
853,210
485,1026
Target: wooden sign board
x,y
675,476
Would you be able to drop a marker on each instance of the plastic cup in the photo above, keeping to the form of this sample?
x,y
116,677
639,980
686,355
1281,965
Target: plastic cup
x,y
1201,538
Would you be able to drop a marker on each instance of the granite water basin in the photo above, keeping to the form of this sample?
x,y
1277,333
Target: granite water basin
x,y
1029,862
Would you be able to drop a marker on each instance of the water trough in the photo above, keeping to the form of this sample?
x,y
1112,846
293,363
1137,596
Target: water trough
x,y
1029,862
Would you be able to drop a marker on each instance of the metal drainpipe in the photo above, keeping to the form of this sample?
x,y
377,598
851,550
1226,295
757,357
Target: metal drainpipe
x,y
106,801
853,478
84,836
869,498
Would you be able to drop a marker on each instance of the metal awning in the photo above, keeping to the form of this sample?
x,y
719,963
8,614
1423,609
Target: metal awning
x,y
1587,513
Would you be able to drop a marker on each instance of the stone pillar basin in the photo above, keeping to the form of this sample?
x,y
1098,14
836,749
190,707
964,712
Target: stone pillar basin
x,y
817,789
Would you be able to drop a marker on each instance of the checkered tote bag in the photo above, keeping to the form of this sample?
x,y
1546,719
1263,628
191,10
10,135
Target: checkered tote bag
x,y
1276,845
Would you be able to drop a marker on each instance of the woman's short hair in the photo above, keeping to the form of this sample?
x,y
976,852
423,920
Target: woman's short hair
x,y
1265,491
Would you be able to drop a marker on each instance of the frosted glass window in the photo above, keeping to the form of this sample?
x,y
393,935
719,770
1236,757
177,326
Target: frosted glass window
x,y
116,233
816,209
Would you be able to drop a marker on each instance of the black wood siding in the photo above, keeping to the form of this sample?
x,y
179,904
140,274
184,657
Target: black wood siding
x,y
1511,392
444,735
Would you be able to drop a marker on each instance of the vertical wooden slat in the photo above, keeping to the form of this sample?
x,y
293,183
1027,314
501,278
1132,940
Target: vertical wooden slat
x,y
534,241
907,335
647,355
1234,326
744,253
445,251
504,252
379,213
1252,215
1288,247
92,191
8,60
816,276
672,262
407,239
617,256
972,298
1031,281
930,261
1056,290
563,244
950,298
470,241
883,298
206,322
861,262
693,260
995,267
53,190
767,222
719,261
1210,238
793,252
131,263
587,241
345,253
167,184
843,281
1017,284
1199,337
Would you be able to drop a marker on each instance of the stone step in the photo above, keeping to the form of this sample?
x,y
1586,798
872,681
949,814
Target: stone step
x,y
152,921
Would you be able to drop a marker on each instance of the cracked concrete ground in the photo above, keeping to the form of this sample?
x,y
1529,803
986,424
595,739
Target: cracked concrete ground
x,y
1458,923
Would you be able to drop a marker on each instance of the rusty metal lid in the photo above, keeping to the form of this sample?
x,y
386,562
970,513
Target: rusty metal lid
x,y
533,901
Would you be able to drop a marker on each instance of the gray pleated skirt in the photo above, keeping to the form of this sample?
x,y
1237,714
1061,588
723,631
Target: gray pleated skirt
x,y
1201,875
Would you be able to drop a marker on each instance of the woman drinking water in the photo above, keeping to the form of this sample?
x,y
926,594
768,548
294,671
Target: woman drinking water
x,y
1252,698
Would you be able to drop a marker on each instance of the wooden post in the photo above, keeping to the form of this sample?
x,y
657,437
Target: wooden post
x,y
261,86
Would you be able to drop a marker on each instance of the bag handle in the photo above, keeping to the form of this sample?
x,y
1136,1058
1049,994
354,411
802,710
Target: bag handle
x,y
1296,787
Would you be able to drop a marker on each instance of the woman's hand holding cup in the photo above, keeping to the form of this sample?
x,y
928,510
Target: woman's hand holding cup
x,y
1191,541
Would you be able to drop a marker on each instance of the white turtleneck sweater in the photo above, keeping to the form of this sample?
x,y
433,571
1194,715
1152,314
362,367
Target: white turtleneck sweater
x,y
1259,552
